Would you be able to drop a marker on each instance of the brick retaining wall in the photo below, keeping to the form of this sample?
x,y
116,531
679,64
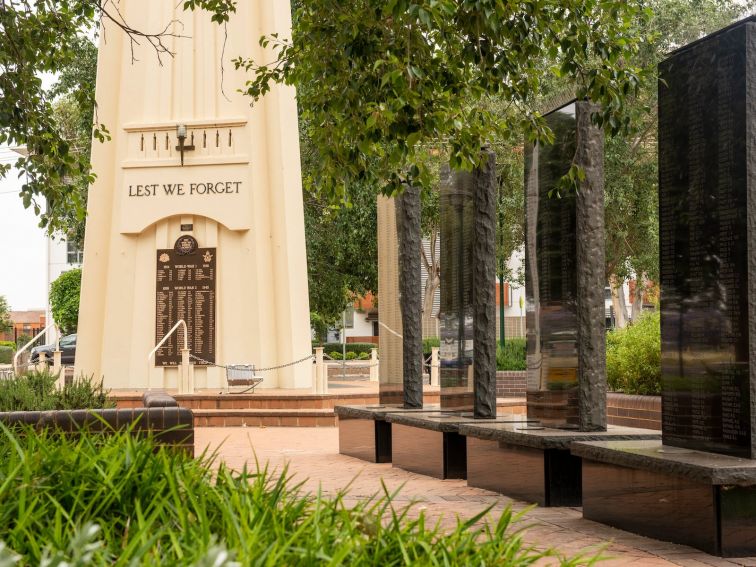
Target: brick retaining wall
x,y
511,383
634,411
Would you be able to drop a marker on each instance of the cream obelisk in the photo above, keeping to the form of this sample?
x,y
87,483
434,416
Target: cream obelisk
x,y
218,241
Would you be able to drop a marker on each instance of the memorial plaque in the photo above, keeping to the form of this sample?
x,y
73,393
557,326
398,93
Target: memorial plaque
x,y
456,312
185,289
706,163
550,277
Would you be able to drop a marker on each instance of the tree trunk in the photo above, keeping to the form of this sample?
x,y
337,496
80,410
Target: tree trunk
x,y
410,299
484,289
618,302
640,288
433,269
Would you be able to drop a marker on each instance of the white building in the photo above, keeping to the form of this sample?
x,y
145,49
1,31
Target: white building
x,y
61,256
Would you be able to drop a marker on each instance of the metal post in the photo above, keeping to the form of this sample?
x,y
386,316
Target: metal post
x,y
185,386
502,313
434,370
374,365
320,370
343,346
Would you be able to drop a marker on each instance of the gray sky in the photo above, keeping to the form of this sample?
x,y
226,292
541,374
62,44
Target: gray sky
x,y
23,248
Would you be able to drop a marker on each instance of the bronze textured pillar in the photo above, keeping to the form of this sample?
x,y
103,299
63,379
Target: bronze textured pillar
x,y
591,271
410,294
484,289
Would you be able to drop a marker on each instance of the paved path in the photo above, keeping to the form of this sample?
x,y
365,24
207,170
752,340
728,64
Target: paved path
x,y
312,456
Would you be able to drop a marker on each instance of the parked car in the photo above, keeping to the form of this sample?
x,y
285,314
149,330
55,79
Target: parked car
x,y
67,347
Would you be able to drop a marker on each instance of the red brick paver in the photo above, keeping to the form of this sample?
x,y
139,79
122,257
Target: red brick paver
x,y
312,456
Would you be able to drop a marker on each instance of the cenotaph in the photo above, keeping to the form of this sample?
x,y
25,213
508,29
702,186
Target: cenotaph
x,y
698,487
196,213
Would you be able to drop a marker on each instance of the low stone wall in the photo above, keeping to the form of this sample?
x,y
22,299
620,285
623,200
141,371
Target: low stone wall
x,y
511,383
634,411
171,426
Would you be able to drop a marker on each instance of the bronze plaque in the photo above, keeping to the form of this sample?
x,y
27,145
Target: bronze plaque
x,y
185,290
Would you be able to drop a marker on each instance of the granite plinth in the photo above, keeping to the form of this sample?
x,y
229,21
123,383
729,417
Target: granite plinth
x,y
364,433
429,443
532,463
690,497
379,411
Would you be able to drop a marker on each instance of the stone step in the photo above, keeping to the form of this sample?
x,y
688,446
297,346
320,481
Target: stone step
x,y
264,401
264,418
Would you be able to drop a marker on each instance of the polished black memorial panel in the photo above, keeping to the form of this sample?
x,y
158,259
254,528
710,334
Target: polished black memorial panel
x,y
706,151
357,438
650,503
456,312
548,477
418,450
550,277
737,519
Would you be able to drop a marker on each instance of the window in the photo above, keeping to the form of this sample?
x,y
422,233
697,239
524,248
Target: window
x,y
74,254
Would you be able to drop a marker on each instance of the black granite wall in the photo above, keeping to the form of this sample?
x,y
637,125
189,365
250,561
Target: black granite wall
x,y
564,275
456,312
550,279
707,249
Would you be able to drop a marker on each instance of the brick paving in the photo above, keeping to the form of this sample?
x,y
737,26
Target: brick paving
x,y
312,457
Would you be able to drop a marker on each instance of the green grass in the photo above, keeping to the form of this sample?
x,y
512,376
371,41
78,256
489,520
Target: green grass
x,y
36,391
117,500
512,355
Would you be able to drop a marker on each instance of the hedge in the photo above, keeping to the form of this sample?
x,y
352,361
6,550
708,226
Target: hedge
x,y
357,348
6,354
633,357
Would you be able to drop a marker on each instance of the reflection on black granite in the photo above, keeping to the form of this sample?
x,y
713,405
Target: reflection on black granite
x,y
703,210
550,277
649,503
738,520
456,315
358,438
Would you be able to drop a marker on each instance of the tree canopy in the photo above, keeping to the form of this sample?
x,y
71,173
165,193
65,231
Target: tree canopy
x,y
386,79
45,36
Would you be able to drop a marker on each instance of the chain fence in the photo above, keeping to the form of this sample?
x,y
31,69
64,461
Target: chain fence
x,y
232,366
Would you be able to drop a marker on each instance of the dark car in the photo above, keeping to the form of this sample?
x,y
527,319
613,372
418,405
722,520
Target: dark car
x,y
67,347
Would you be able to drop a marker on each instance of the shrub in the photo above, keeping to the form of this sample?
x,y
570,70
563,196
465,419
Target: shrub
x,y
336,355
103,500
350,347
21,340
633,357
10,344
64,300
351,355
430,343
6,354
512,356
36,391
363,356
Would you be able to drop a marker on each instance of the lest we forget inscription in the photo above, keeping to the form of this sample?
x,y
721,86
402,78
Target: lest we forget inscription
x,y
707,250
185,289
